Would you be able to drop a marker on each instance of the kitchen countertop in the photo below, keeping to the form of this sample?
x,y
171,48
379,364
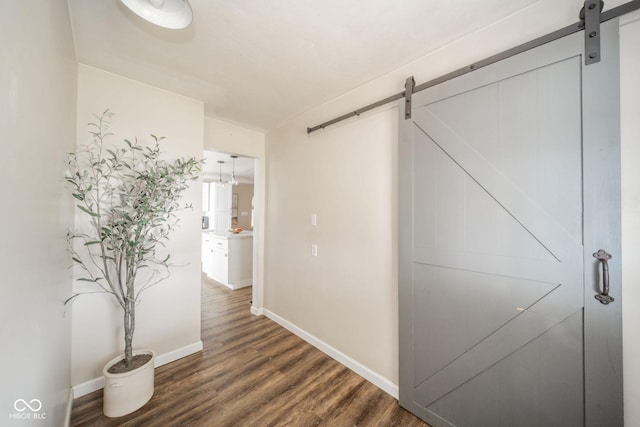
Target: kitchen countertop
x,y
242,235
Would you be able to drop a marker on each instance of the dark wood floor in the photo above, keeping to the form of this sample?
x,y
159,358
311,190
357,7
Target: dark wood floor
x,y
252,372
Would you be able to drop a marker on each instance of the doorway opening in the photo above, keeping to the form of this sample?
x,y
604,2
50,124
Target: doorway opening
x,y
230,254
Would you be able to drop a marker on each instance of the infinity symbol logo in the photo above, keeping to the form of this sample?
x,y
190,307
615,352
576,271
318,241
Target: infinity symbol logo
x,y
21,405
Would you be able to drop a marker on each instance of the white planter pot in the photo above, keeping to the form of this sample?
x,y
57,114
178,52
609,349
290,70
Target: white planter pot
x,y
127,392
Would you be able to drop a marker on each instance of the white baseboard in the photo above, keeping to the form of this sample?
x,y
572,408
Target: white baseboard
x,y
95,384
241,284
179,353
378,380
257,311
87,387
67,415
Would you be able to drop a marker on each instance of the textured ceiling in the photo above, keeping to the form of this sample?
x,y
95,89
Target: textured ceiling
x,y
258,63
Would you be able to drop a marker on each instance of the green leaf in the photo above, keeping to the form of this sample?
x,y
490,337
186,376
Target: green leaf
x,y
93,242
83,209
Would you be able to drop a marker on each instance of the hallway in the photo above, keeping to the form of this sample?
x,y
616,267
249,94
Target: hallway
x,y
252,372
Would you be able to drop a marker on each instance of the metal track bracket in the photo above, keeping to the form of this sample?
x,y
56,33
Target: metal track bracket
x,y
590,15
408,91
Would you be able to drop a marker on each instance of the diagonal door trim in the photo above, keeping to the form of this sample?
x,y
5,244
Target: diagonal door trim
x,y
538,223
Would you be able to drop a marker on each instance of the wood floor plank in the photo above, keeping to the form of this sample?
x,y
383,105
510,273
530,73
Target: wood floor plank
x,y
252,372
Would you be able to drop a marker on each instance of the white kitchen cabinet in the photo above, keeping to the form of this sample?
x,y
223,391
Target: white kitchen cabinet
x,y
205,196
220,265
216,205
220,207
228,259
207,254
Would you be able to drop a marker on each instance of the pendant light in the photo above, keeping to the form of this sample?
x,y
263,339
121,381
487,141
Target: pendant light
x,y
173,14
220,182
233,181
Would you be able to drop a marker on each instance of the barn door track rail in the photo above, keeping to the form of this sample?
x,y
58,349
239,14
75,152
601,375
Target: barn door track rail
x,y
591,16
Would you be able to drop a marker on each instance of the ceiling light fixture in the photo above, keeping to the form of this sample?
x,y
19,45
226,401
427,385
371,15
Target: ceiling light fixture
x,y
220,182
173,14
234,180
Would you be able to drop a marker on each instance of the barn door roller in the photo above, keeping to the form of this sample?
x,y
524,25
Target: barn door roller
x,y
590,17
408,91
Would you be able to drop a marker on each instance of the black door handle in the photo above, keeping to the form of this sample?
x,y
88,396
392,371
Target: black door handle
x,y
604,296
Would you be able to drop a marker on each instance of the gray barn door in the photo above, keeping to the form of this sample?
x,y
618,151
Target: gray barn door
x,y
509,182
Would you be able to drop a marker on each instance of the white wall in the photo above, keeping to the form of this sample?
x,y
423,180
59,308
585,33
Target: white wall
x,y
37,129
168,318
232,138
630,112
346,297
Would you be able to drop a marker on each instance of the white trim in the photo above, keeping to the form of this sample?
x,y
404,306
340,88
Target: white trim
x,y
257,311
95,384
67,415
237,285
179,353
378,380
87,387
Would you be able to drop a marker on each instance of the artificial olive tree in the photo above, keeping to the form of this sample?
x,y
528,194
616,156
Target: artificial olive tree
x,y
130,197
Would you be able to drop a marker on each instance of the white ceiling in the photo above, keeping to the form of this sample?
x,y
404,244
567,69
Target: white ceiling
x,y
258,63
